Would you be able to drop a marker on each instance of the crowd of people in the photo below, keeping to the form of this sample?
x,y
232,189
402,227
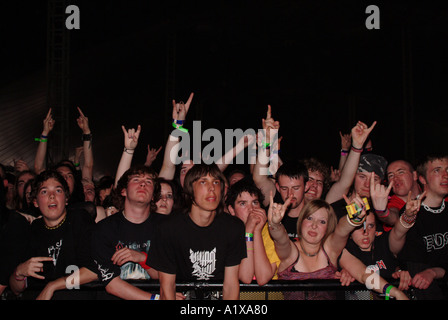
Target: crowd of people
x,y
367,220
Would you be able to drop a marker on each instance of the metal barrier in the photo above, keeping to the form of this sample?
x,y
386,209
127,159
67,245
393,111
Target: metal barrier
x,y
274,290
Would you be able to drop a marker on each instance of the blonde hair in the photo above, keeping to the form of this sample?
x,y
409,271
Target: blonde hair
x,y
312,207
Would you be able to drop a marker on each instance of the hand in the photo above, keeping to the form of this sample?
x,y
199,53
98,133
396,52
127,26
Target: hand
x,y
345,277
335,174
269,123
20,166
31,267
423,280
258,218
379,194
48,123
151,155
360,132
405,279
131,137
180,296
358,201
180,110
277,211
83,122
124,255
413,205
346,140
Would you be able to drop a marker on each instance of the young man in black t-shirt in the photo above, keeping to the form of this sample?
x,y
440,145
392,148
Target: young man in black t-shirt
x,y
202,244
57,244
121,242
426,250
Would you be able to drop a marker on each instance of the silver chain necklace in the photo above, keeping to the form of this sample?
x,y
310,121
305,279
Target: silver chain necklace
x,y
434,210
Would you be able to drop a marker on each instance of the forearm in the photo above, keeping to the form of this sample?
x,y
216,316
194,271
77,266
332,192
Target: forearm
x,y
231,285
247,269
39,160
168,168
126,291
17,283
390,217
87,169
347,176
167,286
125,164
281,240
263,267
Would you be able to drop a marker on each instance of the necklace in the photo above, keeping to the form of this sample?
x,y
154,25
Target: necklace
x,y
55,227
308,254
434,210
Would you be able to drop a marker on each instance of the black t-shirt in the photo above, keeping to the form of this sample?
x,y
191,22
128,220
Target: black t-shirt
x,y
116,232
68,244
427,247
290,225
14,243
427,240
380,258
195,253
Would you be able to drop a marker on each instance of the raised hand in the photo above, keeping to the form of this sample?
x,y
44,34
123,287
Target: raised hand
x,y
83,122
180,109
151,155
131,137
277,211
269,123
360,133
358,201
379,194
413,205
48,123
346,140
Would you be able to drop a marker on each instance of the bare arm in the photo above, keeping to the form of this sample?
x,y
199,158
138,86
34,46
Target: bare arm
x,y
336,241
397,236
85,276
130,143
360,272
87,168
167,286
126,291
261,167
359,134
39,160
168,168
231,285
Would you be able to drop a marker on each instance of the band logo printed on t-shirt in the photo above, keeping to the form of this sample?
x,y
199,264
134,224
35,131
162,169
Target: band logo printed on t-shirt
x,y
53,251
436,241
204,263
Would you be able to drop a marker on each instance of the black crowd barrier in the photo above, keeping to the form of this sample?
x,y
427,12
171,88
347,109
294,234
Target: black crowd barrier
x,y
274,290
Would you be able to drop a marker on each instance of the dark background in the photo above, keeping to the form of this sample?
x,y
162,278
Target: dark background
x,y
315,62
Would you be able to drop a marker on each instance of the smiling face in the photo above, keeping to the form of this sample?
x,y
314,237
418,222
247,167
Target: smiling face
x,y
51,201
314,186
